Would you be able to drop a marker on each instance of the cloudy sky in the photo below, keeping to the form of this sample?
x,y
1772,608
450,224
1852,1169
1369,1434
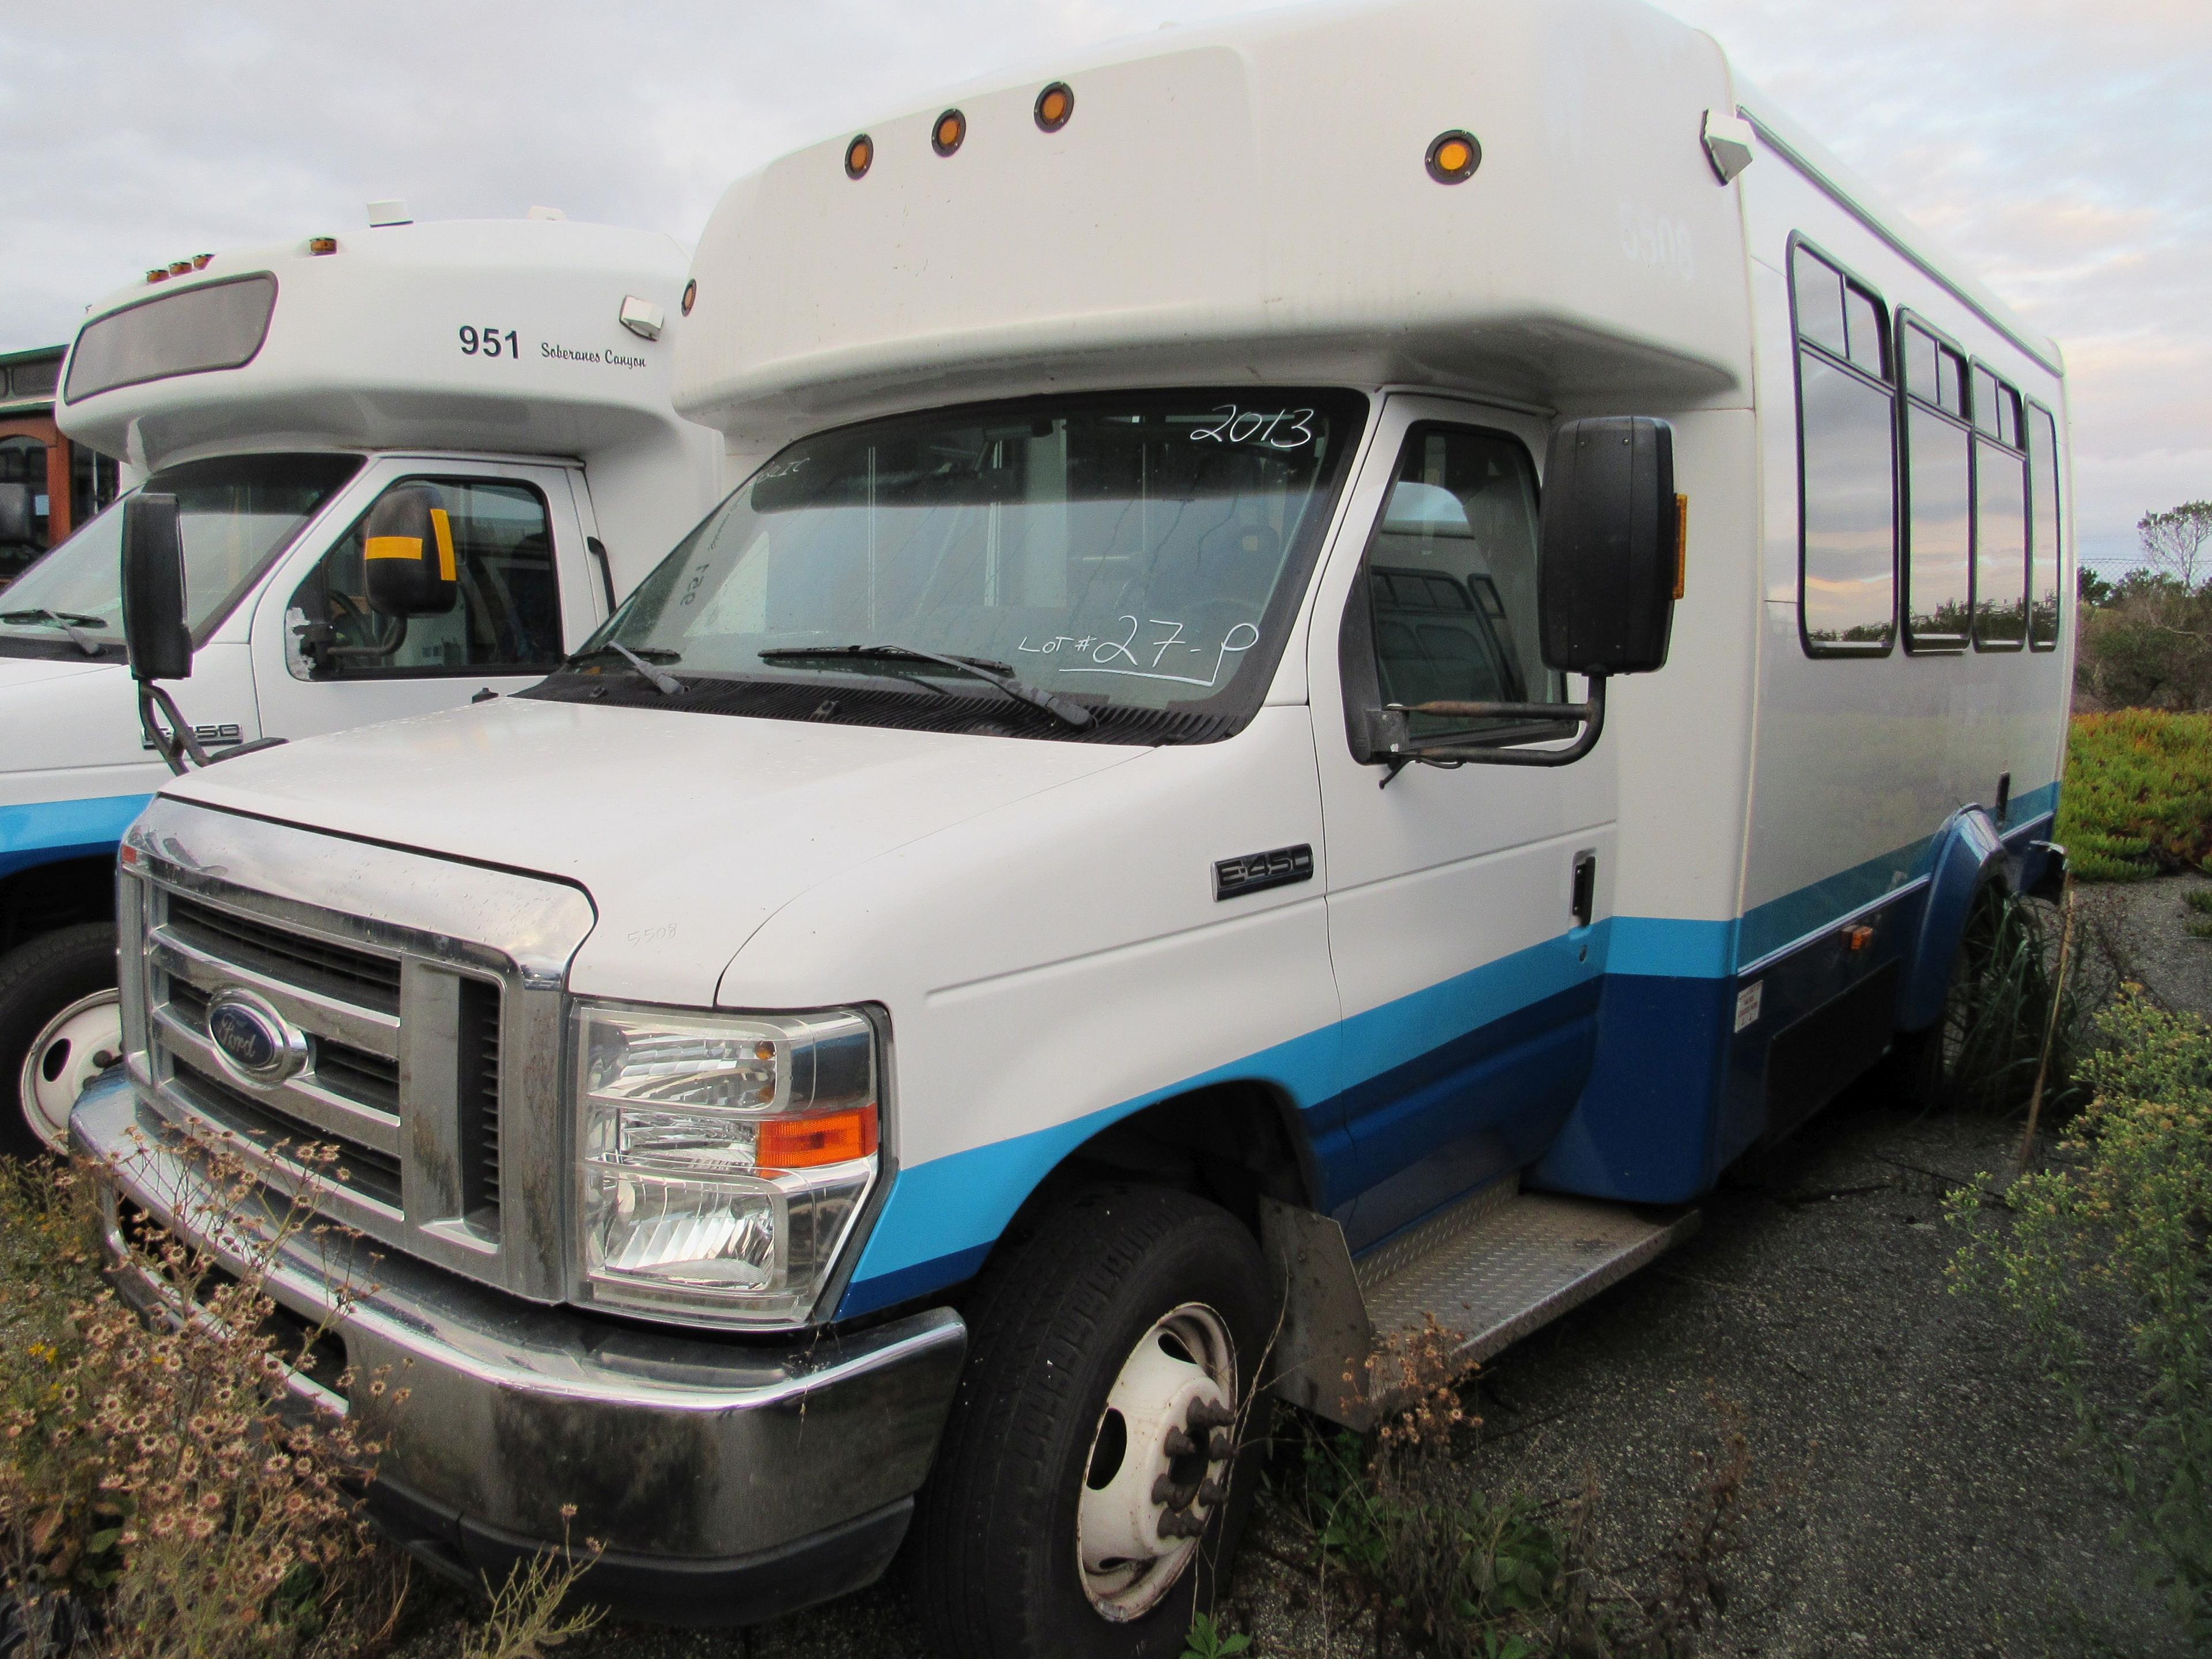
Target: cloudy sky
x,y
2063,147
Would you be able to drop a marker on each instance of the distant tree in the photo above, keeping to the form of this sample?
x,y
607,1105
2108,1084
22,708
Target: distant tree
x,y
2179,542
2095,589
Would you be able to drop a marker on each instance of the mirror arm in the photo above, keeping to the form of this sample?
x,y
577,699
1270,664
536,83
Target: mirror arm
x,y
176,743
1591,713
315,644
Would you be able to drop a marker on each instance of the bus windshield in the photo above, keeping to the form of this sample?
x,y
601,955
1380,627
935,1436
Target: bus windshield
x,y
1144,549
235,513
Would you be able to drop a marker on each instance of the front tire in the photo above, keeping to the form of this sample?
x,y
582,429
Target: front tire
x,y
1105,1444
60,1025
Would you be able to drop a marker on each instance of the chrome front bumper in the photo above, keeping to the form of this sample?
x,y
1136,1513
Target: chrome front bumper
x,y
728,1480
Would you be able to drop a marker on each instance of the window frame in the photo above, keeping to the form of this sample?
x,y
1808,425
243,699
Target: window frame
x,y
2030,408
1798,344
318,675
1908,317
1358,666
2027,506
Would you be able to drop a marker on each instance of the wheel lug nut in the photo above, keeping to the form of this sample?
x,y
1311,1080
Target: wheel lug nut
x,y
1180,1445
1217,1447
1211,1492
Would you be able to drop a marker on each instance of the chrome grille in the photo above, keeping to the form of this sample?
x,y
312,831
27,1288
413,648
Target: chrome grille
x,y
430,1007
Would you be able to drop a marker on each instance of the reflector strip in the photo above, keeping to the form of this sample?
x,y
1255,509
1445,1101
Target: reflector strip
x,y
442,527
392,547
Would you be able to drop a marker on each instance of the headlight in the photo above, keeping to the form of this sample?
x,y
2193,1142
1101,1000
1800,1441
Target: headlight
x,y
723,1157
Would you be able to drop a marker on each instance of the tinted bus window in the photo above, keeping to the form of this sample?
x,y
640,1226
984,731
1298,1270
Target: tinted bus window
x,y
1847,477
2046,589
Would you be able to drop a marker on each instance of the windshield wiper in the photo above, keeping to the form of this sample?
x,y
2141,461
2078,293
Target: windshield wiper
x,y
983,668
71,623
667,685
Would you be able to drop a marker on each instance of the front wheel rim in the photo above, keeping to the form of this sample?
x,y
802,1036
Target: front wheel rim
x,y
78,1043
1158,1464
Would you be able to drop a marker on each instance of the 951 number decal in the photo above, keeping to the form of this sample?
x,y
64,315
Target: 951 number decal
x,y
488,342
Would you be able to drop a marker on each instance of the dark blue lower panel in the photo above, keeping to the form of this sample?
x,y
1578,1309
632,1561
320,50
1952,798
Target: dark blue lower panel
x,y
1646,1127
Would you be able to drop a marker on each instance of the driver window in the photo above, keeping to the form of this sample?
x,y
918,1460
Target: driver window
x,y
505,618
1451,579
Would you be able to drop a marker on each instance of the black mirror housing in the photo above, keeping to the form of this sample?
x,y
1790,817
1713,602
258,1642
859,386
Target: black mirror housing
x,y
153,630
1609,565
407,549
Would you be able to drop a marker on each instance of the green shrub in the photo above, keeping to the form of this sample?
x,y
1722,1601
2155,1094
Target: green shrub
x,y
2200,900
2149,646
2138,795
2121,1225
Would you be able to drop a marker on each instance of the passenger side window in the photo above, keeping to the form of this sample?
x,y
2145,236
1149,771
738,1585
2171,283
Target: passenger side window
x,y
507,615
1938,496
2045,587
2000,516
1451,579
1847,474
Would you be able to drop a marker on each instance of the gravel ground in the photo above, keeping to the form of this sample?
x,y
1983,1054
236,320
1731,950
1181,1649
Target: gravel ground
x,y
1913,1489
2142,927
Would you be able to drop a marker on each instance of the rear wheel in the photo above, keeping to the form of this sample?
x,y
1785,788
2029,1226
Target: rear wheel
x,y
1935,1060
1104,1448
60,1026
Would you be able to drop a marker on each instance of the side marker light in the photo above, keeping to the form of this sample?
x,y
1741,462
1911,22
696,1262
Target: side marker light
x,y
690,296
860,155
322,245
945,136
1054,105
1454,156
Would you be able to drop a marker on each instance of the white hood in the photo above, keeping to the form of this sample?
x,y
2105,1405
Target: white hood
x,y
688,830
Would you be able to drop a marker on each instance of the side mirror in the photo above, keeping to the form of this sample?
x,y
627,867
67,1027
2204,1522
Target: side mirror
x,y
1609,569
1610,563
15,517
407,549
153,630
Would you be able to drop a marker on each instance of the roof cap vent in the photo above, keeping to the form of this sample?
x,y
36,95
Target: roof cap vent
x,y
388,213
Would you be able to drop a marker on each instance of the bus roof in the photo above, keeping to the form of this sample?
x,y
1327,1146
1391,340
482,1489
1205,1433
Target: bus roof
x,y
486,335
1251,201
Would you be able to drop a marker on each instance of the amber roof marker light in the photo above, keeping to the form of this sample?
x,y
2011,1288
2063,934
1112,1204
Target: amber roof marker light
x,y
860,155
1054,106
1454,156
690,296
945,136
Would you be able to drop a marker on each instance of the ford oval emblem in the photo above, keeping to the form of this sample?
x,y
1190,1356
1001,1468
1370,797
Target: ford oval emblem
x,y
251,1039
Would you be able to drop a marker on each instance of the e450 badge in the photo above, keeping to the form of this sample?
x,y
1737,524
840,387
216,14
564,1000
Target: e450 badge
x,y
1234,877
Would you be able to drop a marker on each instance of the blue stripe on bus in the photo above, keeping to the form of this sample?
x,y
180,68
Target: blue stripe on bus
x,y
1667,996
46,832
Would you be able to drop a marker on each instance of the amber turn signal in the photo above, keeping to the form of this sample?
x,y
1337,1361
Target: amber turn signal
x,y
1454,156
803,1143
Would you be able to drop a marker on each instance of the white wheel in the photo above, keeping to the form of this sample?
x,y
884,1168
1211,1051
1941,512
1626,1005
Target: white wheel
x,y
1159,1462
78,1043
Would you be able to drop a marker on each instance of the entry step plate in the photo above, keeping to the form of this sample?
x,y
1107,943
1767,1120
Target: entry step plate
x,y
1503,1263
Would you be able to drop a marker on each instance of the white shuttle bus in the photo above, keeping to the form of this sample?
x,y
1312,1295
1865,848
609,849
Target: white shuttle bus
x,y
1356,649
278,392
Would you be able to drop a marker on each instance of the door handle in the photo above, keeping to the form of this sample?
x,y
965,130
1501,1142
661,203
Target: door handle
x,y
1585,901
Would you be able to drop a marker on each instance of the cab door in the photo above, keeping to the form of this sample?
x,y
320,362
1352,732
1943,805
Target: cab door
x,y
323,662
1465,903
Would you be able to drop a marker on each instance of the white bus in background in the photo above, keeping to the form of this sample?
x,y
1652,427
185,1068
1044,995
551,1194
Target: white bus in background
x,y
1359,646
521,369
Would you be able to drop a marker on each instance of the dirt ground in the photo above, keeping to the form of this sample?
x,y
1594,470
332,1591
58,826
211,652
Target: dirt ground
x,y
1915,1493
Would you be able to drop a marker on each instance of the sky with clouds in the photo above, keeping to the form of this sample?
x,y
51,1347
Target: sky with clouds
x,y
2065,150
